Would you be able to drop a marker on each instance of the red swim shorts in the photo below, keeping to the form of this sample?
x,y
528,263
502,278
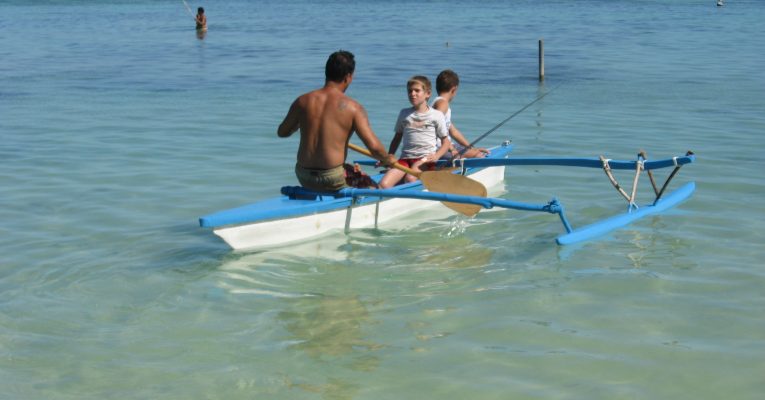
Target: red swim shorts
x,y
409,162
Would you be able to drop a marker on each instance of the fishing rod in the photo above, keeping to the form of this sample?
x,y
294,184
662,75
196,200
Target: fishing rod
x,y
188,9
507,119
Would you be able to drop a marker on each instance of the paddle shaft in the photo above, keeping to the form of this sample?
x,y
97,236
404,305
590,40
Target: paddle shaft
x,y
396,165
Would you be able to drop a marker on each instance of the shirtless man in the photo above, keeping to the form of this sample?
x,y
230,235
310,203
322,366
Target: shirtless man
x,y
327,118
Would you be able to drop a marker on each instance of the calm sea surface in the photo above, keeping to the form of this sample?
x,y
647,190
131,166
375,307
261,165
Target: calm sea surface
x,y
119,127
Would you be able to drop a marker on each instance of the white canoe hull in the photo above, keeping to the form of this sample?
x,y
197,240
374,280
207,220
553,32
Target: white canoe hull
x,y
283,231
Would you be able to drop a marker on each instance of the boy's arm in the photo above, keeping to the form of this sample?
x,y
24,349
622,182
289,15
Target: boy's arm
x,y
443,134
457,135
446,144
460,138
443,106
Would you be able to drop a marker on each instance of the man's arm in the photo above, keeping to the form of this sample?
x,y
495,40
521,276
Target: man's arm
x,y
365,133
291,121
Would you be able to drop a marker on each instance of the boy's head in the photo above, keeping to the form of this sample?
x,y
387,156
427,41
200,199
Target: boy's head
x,y
447,80
420,80
418,90
339,65
201,10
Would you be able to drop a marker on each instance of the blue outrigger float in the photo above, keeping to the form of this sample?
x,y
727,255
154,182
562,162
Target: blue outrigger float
x,y
300,214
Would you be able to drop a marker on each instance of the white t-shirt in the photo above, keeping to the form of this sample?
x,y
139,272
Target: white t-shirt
x,y
447,114
421,131
448,117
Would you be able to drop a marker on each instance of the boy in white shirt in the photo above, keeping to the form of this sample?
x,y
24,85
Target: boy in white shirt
x,y
419,128
447,84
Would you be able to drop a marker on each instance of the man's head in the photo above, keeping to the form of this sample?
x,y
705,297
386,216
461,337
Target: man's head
x,y
339,65
447,80
201,10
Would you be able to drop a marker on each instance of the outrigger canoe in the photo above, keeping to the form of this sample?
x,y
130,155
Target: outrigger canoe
x,y
300,214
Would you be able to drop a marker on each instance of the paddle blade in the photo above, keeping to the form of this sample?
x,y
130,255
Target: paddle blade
x,y
447,182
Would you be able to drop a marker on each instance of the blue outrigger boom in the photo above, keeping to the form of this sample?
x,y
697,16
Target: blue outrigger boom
x,y
572,162
588,162
572,235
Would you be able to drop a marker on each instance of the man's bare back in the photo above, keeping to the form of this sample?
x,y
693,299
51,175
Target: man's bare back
x,y
327,118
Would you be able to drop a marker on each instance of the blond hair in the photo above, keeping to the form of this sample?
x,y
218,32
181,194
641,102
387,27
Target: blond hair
x,y
422,80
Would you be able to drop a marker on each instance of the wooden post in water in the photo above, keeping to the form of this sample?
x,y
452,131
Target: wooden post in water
x,y
541,59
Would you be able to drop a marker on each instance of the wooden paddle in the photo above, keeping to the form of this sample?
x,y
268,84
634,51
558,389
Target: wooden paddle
x,y
443,181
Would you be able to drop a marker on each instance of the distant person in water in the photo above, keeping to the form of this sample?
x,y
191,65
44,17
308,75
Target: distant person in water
x,y
201,19
327,118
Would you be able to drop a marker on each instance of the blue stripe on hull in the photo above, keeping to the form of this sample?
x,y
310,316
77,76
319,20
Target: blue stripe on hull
x,y
280,207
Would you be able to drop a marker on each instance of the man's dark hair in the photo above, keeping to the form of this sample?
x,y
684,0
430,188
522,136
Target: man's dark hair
x,y
339,64
446,80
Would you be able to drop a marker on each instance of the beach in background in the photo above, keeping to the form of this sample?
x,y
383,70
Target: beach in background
x,y
120,126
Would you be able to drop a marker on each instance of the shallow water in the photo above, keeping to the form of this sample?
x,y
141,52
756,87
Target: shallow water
x,y
117,132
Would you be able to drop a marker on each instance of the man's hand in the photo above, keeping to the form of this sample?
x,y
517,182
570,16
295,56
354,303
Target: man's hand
x,y
387,162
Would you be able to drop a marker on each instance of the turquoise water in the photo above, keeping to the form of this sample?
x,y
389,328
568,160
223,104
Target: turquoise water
x,y
119,127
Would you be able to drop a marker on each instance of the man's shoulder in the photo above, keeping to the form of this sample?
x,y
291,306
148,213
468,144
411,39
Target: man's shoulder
x,y
304,98
327,97
312,94
348,103
348,99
